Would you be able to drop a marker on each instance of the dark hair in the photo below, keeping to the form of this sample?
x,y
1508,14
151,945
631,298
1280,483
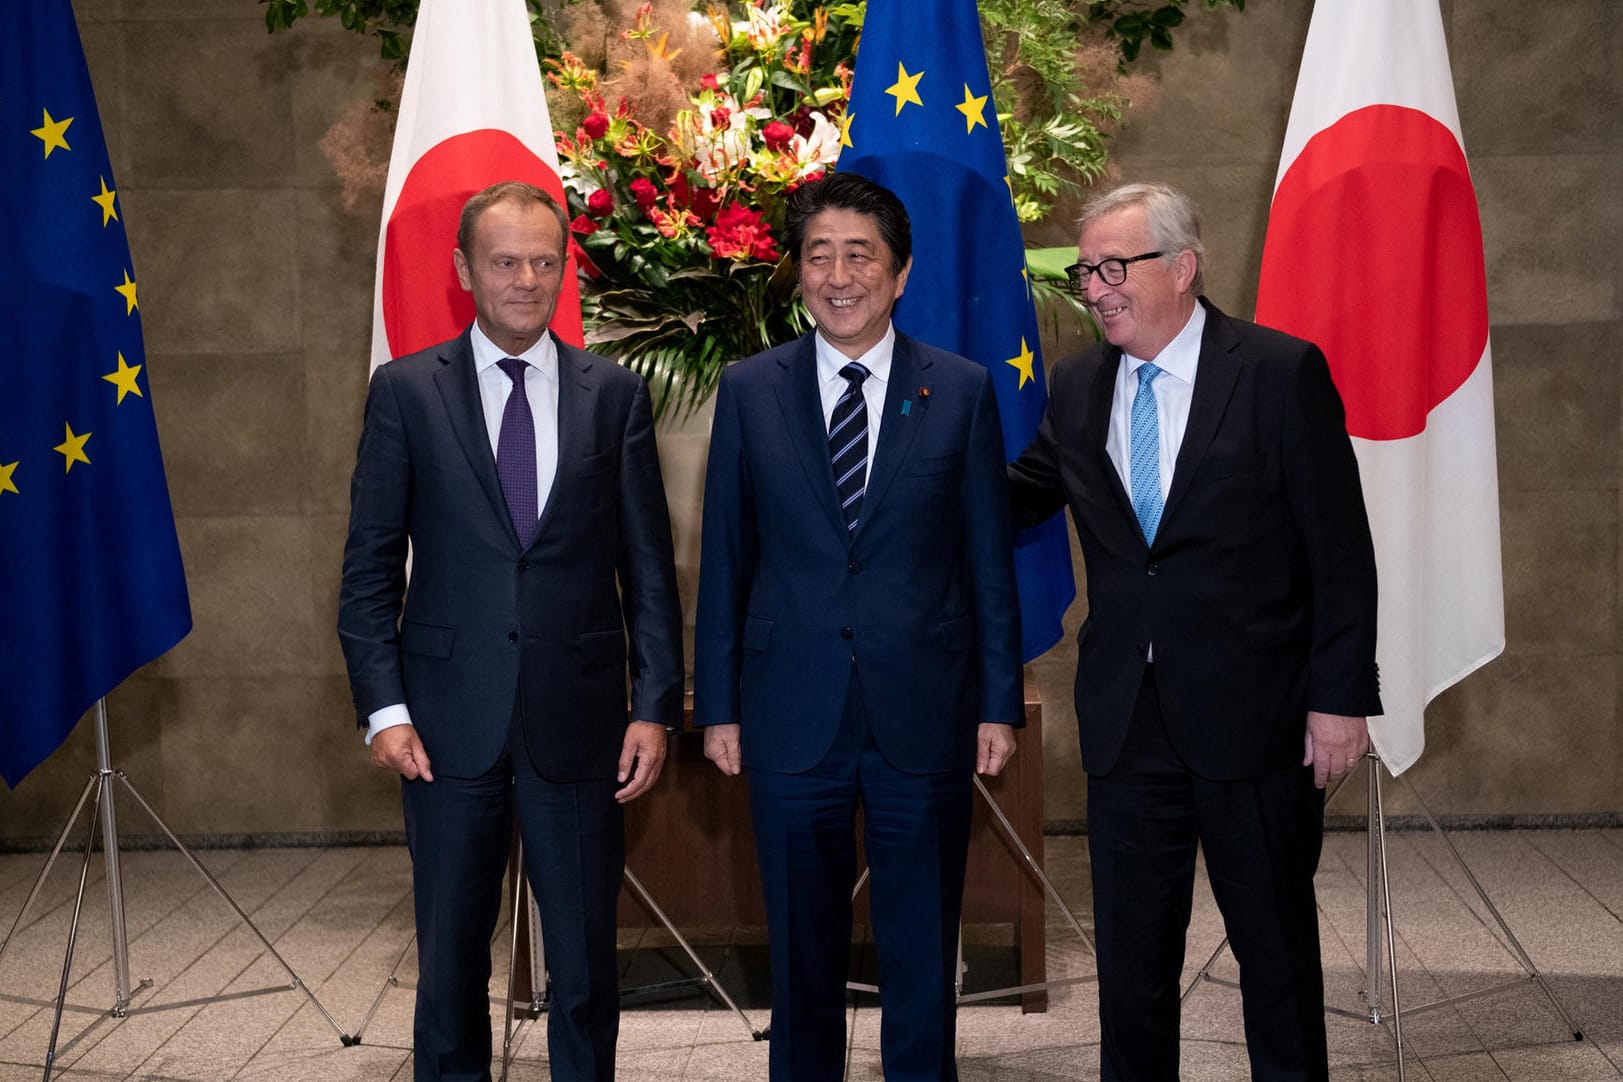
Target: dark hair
x,y
849,191
513,190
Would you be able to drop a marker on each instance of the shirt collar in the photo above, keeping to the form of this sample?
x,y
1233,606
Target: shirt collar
x,y
543,355
876,360
1181,356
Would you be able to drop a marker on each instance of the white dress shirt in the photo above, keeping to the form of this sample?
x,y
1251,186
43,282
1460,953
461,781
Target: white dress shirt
x,y
541,387
1174,390
831,385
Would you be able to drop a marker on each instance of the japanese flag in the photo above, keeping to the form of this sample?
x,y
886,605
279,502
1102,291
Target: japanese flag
x,y
472,113
1374,252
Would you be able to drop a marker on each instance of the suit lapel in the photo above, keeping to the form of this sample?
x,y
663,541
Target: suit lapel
x,y
802,408
1215,378
909,374
458,384
577,393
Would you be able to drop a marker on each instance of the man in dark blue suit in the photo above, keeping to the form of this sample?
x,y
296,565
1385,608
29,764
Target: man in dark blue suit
x,y
1227,664
857,633
522,471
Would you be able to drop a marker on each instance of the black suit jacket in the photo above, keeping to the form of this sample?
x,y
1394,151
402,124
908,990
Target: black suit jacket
x,y
1259,592
594,591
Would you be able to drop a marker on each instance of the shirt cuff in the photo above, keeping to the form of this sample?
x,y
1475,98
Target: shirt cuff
x,y
386,718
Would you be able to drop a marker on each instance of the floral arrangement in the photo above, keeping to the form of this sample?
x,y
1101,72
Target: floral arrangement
x,y
677,231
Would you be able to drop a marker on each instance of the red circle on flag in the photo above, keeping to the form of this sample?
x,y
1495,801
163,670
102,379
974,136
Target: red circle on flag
x,y
1374,253
423,303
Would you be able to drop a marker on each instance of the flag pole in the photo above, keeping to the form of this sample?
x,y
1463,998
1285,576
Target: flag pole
x,y
101,784
115,873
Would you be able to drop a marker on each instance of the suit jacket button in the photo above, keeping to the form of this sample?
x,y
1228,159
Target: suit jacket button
x,y
1153,569
524,565
854,566
847,633
512,636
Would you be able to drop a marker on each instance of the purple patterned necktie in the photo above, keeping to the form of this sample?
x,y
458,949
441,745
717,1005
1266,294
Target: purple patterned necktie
x,y
515,455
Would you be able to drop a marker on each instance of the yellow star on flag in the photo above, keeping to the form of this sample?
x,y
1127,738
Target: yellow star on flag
x,y
906,88
974,110
845,128
72,449
53,133
109,213
6,483
1023,363
128,291
124,380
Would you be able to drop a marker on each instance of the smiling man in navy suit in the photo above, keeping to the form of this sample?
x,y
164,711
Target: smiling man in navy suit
x,y
523,473
857,633
1227,664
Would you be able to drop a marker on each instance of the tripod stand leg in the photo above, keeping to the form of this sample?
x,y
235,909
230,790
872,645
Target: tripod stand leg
x,y
56,849
1515,944
208,877
705,975
73,938
1032,865
512,966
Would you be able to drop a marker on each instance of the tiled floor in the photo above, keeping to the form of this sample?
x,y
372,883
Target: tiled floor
x,y
341,918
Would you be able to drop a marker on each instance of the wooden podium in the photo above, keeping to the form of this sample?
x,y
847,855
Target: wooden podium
x,y
689,842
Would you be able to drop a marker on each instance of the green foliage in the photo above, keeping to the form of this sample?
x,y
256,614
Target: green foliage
x,y
1133,22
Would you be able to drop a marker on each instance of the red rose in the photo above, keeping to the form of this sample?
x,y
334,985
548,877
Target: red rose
x,y
643,190
709,82
595,125
600,204
720,118
777,134
583,225
739,234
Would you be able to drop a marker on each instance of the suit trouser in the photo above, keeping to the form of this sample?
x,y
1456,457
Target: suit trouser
x,y
1261,838
916,839
458,831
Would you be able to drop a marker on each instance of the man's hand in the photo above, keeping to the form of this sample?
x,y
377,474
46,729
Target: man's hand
x,y
398,748
642,757
721,748
994,744
1334,744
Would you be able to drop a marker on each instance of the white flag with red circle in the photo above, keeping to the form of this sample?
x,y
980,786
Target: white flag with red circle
x,y
1374,252
472,112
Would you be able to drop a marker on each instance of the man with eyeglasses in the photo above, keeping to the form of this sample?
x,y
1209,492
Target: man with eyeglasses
x,y
1227,664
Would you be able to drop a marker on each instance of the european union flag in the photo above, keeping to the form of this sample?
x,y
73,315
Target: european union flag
x,y
923,124
91,584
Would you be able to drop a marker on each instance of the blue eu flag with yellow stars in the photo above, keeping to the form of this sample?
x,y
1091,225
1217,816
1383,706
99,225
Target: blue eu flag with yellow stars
x,y
922,123
91,584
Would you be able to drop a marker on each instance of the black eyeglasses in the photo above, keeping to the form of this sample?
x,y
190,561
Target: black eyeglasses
x,y
1113,272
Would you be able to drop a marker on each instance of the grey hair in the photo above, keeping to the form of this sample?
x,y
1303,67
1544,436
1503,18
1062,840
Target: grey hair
x,y
1174,220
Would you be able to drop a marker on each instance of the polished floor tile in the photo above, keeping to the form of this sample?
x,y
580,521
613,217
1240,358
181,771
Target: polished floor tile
x,y
220,1006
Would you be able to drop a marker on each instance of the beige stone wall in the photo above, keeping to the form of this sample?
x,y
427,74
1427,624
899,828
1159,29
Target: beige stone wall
x,y
256,294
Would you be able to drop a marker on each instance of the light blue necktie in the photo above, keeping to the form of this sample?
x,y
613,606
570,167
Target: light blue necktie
x,y
1144,462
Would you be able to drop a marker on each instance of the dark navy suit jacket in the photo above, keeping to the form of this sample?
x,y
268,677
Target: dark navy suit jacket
x,y
595,590
922,595
1259,591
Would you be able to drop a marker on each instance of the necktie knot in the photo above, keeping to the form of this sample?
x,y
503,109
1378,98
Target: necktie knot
x,y
514,368
1147,373
854,374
